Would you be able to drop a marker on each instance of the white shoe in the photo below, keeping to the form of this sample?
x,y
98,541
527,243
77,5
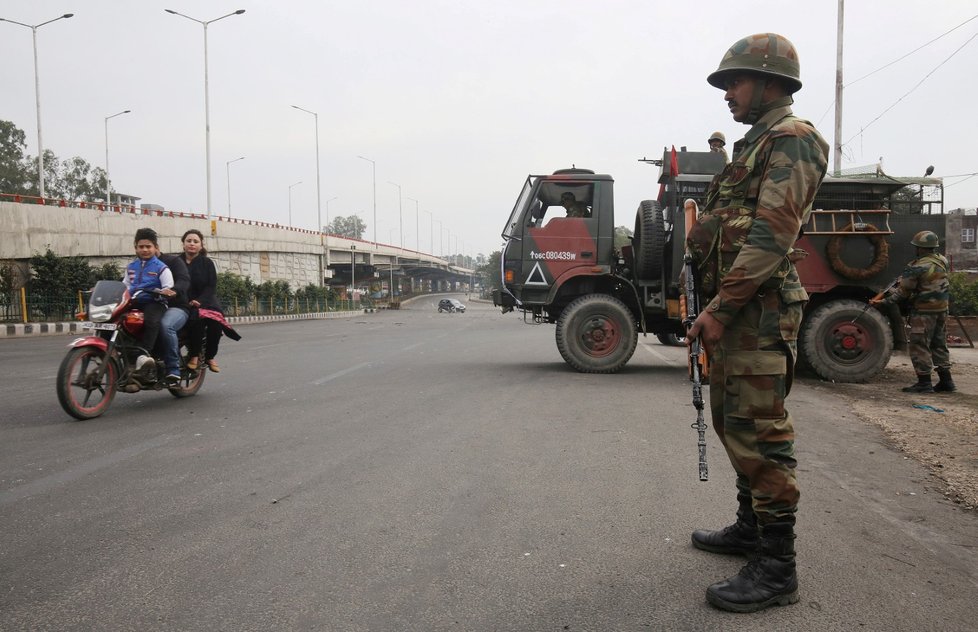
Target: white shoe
x,y
142,361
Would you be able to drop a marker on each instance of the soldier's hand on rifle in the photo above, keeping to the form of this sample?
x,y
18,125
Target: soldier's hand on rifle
x,y
876,301
708,329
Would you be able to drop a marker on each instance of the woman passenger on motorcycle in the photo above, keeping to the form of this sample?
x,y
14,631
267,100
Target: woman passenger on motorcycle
x,y
203,294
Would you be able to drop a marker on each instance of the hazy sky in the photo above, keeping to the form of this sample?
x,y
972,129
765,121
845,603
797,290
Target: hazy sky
x,y
457,101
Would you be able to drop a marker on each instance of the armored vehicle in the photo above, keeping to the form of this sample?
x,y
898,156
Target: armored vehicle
x,y
560,264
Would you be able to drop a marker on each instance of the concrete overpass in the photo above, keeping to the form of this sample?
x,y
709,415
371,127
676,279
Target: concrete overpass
x,y
261,251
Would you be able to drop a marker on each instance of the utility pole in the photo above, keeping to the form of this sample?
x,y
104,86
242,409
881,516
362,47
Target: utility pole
x,y
837,153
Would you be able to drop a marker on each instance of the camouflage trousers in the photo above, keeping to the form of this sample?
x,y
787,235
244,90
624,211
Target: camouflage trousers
x,y
928,342
751,371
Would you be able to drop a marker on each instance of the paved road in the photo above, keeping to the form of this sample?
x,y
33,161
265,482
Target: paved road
x,y
421,471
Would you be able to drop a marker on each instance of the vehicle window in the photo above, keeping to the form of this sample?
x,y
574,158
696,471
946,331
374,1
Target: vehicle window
x,y
561,199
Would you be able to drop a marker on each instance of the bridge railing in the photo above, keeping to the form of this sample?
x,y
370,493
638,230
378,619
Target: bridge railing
x,y
25,306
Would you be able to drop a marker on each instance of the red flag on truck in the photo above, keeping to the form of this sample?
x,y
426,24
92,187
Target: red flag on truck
x,y
673,172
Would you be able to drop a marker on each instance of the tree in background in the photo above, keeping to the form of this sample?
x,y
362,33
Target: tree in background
x,y
489,271
14,172
74,180
623,237
55,282
352,227
234,289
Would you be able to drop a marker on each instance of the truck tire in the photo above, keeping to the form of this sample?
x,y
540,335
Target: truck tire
x,y
649,240
840,350
671,340
596,333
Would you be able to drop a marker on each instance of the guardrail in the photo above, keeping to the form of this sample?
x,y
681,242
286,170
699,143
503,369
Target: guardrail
x,y
23,306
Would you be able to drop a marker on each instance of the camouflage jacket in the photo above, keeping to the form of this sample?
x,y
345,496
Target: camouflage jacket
x,y
755,210
924,284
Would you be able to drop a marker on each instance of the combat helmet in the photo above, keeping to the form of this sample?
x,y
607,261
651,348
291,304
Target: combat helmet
x,y
717,136
763,53
926,239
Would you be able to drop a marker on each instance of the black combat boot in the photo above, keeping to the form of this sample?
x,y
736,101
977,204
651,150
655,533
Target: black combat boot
x,y
923,385
769,580
740,538
944,384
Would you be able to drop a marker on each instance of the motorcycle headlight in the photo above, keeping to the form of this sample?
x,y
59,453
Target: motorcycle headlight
x,y
101,313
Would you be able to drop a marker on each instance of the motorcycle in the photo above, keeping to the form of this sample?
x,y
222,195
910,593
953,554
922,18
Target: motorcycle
x,y
99,365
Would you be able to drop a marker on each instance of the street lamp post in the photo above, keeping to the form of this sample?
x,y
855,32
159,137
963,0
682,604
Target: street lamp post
x,y
290,201
37,96
441,244
417,230
319,207
108,184
227,166
207,107
400,213
431,232
374,165
327,211
353,269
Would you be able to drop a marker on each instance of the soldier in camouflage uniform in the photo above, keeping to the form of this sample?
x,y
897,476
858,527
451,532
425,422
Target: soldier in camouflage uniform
x,y
924,285
743,246
717,141
573,207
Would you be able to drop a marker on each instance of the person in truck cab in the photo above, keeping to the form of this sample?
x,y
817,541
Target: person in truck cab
x,y
741,244
573,207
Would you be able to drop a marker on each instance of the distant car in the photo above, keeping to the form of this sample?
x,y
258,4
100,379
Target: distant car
x,y
450,305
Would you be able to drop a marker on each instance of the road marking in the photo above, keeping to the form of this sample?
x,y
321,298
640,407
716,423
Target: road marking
x,y
333,376
47,483
663,357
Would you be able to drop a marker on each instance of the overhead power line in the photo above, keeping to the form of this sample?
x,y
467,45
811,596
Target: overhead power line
x,y
911,52
918,84
966,176
898,59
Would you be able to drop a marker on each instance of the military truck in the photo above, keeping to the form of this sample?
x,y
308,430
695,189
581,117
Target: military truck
x,y
562,267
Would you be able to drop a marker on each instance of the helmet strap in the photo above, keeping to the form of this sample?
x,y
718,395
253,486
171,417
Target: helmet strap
x,y
755,102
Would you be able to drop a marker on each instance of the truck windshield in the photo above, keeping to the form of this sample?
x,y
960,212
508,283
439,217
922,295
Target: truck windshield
x,y
513,224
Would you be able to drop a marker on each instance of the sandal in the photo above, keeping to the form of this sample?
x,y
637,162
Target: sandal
x,y
212,365
193,363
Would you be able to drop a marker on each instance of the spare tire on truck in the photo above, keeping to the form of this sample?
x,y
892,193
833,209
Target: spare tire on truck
x,y
649,241
841,350
596,333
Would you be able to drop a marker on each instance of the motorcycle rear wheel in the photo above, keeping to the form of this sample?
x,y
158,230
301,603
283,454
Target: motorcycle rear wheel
x,y
80,392
190,382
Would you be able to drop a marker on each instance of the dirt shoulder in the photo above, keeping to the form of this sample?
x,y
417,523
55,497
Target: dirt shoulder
x,y
945,442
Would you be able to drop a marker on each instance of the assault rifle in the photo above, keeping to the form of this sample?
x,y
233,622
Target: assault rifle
x,y
878,297
697,361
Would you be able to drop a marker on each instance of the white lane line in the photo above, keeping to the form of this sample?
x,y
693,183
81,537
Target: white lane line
x,y
663,357
333,376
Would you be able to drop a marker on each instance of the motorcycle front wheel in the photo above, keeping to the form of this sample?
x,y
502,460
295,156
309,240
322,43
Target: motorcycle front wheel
x,y
82,393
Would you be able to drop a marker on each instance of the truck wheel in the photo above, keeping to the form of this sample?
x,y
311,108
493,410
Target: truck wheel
x,y
840,350
671,340
596,333
649,240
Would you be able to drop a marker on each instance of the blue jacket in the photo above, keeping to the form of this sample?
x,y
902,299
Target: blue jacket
x,y
151,274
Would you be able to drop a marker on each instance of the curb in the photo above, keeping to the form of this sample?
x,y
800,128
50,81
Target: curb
x,y
51,329
40,329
